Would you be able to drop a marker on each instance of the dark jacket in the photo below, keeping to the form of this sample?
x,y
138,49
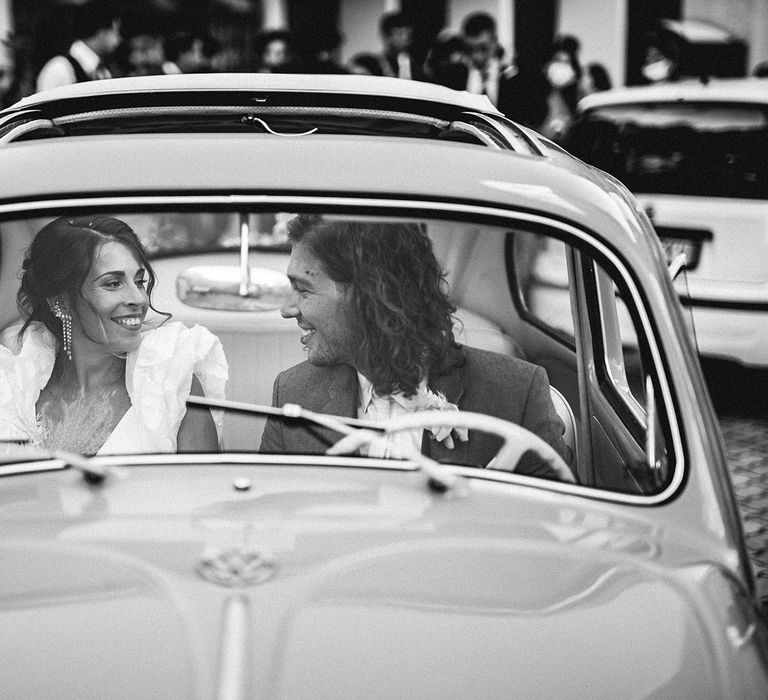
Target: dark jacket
x,y
483,382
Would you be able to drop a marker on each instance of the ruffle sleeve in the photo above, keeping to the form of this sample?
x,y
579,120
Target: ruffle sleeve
x,y
159,376
24,372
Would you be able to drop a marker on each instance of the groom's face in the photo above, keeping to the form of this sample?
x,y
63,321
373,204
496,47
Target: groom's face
x,y
321,308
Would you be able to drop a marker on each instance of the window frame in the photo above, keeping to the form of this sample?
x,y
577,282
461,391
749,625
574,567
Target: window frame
x,y
578,237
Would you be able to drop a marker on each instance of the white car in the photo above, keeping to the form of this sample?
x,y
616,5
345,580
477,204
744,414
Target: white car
x,y
695,155
282,574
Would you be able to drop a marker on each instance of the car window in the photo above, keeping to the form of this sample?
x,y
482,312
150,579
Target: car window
x,y
554,328
625,384
187,233
700,149
539,279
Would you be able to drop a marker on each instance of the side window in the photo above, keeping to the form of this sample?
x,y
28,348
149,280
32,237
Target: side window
x,y
622,358
629,387
540,282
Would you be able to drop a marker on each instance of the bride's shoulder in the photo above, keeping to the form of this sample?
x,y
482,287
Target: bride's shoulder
x,y
180,349
165,340
36,344
26,363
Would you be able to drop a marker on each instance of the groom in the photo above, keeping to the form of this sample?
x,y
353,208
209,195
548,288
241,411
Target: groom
x,y
377,326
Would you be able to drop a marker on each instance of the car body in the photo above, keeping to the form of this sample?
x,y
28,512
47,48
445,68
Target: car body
x,y
280,575
694,154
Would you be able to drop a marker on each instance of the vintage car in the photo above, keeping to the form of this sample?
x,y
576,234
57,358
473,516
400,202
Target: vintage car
x,y
243,574
695,155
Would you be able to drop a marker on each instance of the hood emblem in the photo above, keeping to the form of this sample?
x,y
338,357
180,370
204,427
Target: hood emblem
x,y
236,566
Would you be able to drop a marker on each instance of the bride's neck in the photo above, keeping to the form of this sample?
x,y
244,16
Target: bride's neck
x,y
91,371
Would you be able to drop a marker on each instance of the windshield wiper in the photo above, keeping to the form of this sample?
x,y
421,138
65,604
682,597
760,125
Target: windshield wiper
x,y
358,433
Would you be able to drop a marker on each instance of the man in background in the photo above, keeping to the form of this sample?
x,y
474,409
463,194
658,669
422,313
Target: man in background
x,y
396,59
97,36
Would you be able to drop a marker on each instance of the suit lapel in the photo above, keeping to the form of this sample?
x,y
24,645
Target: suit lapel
x,y
334,391
338,393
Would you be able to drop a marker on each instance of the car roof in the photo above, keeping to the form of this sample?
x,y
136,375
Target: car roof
x,y
278,104
148,164
745,90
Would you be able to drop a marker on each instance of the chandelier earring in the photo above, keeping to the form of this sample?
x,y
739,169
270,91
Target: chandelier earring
x,y
66,327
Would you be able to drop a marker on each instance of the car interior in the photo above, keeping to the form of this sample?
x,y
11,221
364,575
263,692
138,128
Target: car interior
x,y
519,291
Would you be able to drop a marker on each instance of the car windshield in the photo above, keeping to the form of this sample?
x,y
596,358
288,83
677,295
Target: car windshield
x,y
700,149
524,346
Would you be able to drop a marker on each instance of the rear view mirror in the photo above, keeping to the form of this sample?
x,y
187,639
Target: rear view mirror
x,y
228,288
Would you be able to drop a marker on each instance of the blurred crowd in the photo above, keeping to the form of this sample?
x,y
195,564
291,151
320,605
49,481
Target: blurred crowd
x,y
74,42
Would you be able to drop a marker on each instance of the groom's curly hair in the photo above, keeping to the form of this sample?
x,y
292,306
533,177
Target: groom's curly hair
x,y
398,291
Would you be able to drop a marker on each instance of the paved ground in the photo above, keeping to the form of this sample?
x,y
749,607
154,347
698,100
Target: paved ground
x,y
741,399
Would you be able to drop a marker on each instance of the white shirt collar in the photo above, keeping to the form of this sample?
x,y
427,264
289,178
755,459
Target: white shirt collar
x,y
85,56
366,394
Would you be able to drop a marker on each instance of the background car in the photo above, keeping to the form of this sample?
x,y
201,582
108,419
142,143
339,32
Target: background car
x,y
259,575
695,156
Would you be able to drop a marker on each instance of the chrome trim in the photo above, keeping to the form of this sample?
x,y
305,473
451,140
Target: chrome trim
x,y
245,110
26,128
423,205
677,265
24,113
245,247
234,678
32,467
479,134
514,141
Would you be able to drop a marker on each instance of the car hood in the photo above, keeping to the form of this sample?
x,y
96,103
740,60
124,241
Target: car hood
x,y
274,583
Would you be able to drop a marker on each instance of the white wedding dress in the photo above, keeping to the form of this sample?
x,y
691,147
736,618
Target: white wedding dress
x,y
158,378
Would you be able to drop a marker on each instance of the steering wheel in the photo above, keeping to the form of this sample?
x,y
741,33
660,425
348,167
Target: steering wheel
x,y
517,440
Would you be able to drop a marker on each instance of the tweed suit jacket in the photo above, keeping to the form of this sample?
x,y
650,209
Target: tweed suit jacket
x,y
484,382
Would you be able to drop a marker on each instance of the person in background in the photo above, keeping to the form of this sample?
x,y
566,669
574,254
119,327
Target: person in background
x,y
487,74
396,59
377,324
8,81
661,61
88,372
218,56
319,53
595,79
274,52
184,53
563,74
143,55
446,62
97,36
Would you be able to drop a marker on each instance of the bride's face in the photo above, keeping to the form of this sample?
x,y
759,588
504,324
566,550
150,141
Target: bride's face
x,y
113,301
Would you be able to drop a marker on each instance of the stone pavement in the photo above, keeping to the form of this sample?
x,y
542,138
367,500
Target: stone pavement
x,y
740,396
746,446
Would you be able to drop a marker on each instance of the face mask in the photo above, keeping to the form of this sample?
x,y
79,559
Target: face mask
x,y
560,73
658,70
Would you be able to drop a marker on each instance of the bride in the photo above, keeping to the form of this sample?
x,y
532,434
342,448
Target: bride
x,y
87,374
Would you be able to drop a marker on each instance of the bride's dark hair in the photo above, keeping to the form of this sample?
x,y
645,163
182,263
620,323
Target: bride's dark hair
x,y
59,259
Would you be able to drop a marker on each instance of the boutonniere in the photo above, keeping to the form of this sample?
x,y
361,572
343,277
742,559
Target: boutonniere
x,y
428,400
